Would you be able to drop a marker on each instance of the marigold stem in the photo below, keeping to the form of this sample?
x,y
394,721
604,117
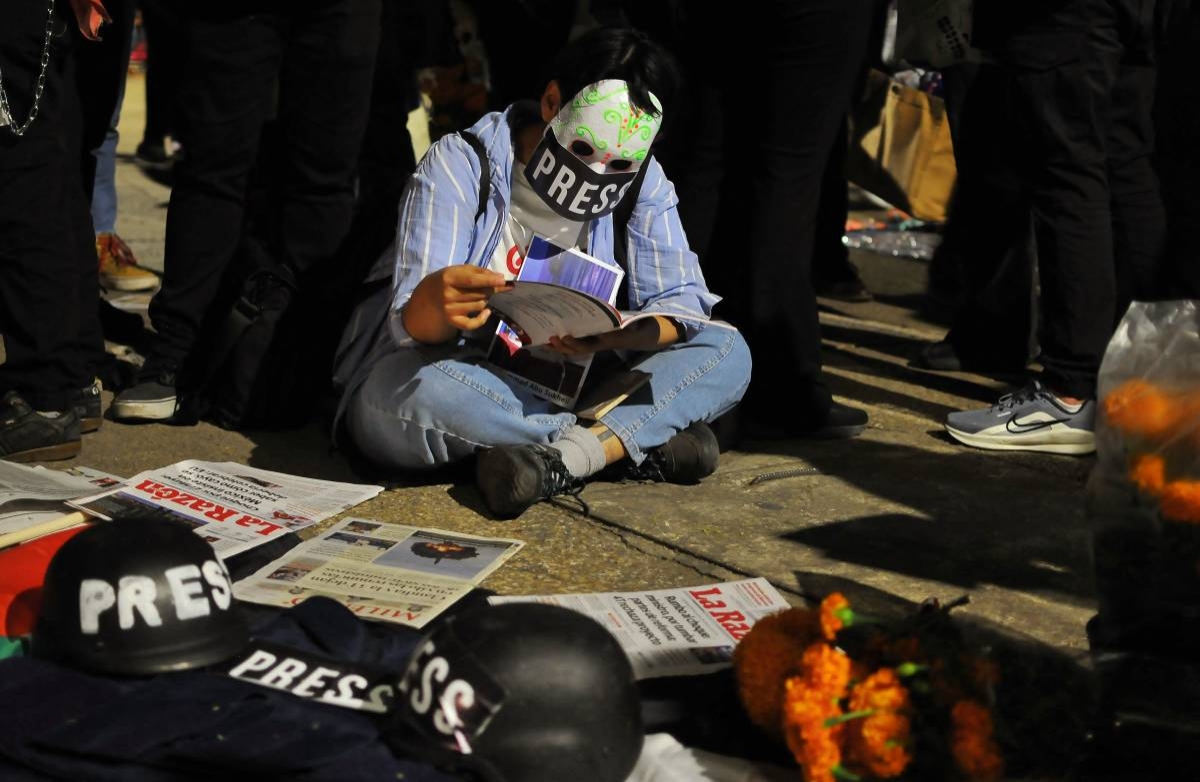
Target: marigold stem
x,y
850,715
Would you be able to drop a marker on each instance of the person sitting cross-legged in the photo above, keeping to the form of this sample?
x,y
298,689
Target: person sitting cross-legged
x,y
419,392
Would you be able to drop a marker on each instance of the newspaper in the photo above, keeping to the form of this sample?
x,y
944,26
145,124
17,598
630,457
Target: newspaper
x,y
232,506
385,572
675,632
32,495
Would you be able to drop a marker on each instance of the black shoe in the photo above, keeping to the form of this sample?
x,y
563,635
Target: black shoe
x,y
152,398
29,436
89,408
513,477
938,356
840,422
153,157
688,457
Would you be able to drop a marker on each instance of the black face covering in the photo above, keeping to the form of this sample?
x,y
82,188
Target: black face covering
x,y
569,186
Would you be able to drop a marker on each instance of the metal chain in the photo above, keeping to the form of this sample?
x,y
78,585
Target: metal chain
x,y
6,118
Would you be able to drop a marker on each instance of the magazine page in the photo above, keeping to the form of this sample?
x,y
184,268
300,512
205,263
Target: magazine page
x,y
542,310
523,358
386,572
232,506
675,632
32,495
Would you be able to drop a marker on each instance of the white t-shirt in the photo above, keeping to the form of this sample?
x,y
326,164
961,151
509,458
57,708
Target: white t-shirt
x,y
528,215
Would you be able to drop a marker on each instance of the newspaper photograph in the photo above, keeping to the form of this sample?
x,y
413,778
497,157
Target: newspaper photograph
x,y
674,632
32,495
380,571
232,506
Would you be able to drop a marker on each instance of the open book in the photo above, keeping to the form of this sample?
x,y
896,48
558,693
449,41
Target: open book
x,y
541,310
529,362
558,292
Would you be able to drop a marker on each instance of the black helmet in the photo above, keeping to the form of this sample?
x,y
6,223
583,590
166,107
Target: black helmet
x,y
137,596
532,692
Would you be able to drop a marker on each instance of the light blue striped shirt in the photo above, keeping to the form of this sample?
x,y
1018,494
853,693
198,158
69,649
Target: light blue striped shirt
x,y
437,228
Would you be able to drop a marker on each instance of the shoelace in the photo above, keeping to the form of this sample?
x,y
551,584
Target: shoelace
x,y
1020,397
120,252
559,481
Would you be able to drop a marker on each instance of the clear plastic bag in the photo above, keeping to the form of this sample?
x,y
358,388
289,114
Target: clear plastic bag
x,y
1144,522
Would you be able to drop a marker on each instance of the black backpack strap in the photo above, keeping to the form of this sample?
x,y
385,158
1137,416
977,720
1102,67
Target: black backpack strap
x,y
485,169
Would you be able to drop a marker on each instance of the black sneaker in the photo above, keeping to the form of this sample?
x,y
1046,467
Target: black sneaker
x,y
152,398
29,436
513,477
688,457
89,408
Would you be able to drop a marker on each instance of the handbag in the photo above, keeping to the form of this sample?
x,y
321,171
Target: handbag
x,y
900,148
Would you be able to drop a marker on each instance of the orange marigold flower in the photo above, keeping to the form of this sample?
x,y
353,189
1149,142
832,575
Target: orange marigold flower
x,y
1149,473
813,743
974,749
825,669
1180,501
1138,407
835,614
878,740
765,657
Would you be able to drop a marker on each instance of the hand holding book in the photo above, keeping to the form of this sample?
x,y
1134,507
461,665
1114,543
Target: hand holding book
x,y
449,300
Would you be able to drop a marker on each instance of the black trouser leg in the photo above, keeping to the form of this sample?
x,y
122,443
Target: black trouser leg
x,y
48,281
166,54
1138,215
100,72
1177,115
990,232
809,54
1061,108
321,57
225,97
831,259
324,98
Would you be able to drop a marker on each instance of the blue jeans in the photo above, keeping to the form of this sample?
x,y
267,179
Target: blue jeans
x,y
104,187
432,405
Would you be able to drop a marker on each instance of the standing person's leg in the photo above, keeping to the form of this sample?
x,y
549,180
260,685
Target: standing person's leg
x,y
166,55
1177,121
809,54
989,232
1138,214
43,215
106,65
833,274
1067,110
324,97
225,98
1060,91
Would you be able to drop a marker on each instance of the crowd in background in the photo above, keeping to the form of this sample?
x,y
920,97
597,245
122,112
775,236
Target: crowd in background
x,y
283,128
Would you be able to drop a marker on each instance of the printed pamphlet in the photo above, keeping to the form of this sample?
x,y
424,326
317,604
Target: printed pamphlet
x,y
675,632
386,572
232,506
